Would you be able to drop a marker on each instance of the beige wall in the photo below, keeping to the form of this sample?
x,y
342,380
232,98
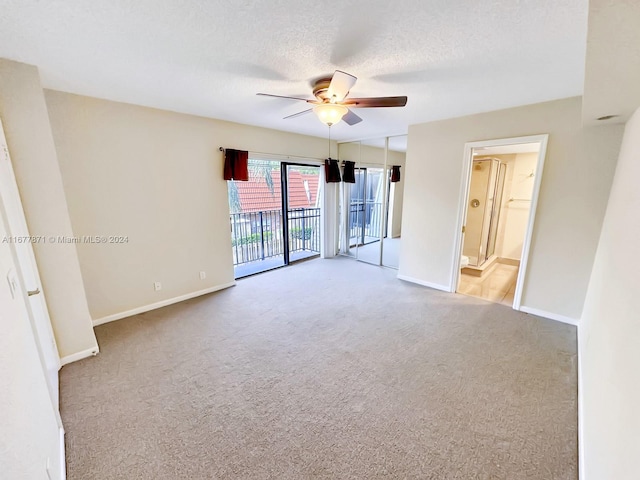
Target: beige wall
x,y
29,434
573,195
369,155
155,177
609,337
26,123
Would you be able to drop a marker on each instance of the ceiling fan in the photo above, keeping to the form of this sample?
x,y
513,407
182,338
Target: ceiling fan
x,y
331,103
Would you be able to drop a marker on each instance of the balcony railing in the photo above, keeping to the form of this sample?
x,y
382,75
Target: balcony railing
x,y
258,235
364,221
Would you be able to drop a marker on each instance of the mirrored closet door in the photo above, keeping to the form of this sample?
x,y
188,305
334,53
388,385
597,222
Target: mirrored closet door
x,y
371,200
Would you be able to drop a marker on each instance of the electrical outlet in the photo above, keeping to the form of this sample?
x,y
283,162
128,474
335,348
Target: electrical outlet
x,y
157,286
203,275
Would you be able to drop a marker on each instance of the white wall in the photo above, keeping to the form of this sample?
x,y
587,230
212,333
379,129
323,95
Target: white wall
x,y
29,433
26,123
609,334
155,177
573,195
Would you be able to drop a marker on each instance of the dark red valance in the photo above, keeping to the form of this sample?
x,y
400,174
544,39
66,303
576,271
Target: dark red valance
x,y
349,173
331,171
395,173
236,165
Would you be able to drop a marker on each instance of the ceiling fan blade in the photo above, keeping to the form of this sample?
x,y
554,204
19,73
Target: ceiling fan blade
x,y
298,114
341,83
351,118
376,102
290,98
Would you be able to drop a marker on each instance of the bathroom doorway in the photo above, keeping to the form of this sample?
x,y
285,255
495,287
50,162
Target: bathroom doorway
x,y
502,183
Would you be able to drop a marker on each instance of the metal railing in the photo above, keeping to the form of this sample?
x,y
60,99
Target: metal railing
x,y
258,235
364,221
304,229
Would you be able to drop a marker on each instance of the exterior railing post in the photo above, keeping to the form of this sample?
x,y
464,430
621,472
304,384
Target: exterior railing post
x,y
261,237
304,233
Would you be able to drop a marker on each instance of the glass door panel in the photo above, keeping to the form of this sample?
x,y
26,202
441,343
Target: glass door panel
x,y
357,208
256,219
303,200
497,207
371,215
478,193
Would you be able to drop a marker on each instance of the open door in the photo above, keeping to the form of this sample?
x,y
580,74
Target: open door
x,y
27,273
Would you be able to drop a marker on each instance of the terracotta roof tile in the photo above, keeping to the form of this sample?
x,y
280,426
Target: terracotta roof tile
x,y
255,195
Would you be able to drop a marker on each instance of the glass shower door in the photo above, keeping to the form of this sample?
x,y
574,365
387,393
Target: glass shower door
x,y
483,212
478,198
497,207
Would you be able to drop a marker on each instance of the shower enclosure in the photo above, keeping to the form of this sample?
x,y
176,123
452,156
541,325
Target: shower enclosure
x,y
483,211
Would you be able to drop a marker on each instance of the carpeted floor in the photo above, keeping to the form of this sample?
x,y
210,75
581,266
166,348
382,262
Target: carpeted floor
x,y
328,369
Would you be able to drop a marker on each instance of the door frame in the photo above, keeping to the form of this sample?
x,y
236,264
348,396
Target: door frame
x,y
467,163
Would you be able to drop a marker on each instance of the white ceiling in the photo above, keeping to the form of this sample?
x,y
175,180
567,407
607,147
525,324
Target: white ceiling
x,y
210,57
612,81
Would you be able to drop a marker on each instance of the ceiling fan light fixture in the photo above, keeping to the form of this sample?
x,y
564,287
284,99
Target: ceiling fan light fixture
x,y
330,113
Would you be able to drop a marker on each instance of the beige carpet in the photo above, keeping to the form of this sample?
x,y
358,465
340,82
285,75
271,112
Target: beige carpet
x,y
329,369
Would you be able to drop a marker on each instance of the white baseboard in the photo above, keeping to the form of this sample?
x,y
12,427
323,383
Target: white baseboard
x,y
581,473
550,316
63,457
163,303
444,288
74,357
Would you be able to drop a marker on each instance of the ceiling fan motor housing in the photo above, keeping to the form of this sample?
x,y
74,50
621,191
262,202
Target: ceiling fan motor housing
x,y
321,88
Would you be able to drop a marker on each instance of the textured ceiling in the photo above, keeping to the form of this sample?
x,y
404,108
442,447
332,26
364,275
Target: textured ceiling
x,y
210,57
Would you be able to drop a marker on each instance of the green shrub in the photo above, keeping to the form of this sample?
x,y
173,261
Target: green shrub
x,y
251,239
296,232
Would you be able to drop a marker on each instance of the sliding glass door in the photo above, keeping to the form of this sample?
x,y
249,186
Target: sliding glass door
x,y
303,201
256,219
263,236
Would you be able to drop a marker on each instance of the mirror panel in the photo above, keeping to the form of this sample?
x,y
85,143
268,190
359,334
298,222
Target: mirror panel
x,y
371,200
396,155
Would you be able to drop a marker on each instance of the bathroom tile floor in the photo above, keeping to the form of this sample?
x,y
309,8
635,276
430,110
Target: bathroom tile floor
x,y
497,286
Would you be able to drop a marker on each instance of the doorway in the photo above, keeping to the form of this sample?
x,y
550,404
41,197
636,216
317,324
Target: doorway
x,y
274,216
497,216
